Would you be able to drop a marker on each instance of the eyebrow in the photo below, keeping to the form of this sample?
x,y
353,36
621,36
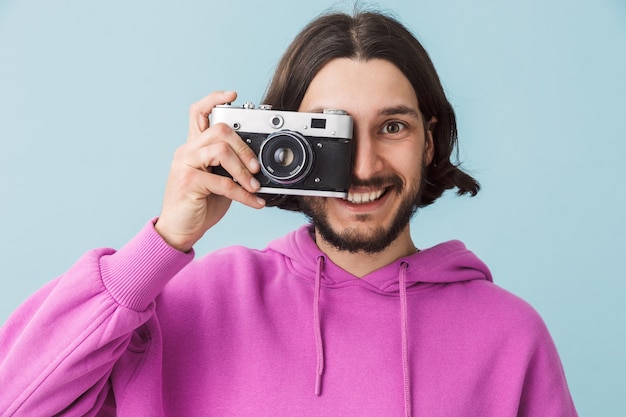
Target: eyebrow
x,y
404,110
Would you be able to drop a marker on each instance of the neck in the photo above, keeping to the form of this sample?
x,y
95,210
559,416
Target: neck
x,y
361,263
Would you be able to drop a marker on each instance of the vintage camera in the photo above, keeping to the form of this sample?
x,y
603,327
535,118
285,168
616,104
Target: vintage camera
x,y
307,154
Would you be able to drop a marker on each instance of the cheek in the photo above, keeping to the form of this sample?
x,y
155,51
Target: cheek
x,y
408,163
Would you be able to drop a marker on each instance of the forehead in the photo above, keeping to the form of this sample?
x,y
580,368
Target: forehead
x,y
359,87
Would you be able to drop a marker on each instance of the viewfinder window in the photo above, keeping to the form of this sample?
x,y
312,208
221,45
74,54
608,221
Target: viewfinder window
x,y
318,123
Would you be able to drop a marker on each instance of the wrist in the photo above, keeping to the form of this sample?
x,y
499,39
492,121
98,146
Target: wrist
x,y
175,240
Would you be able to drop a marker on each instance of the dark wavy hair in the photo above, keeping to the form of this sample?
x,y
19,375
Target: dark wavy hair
x,y
373,35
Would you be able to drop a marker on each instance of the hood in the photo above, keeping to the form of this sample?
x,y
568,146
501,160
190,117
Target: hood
x,y
441,264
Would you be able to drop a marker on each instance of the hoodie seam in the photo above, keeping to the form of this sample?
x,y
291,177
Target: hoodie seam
x,y
366,287
306,274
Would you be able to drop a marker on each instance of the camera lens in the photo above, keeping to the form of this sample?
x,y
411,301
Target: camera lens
x,y
286,157
283,156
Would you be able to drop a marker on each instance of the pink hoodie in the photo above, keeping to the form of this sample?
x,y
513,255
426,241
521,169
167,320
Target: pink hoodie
x,y
277,332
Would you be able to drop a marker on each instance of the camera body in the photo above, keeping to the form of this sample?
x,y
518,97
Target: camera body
x,y
307,154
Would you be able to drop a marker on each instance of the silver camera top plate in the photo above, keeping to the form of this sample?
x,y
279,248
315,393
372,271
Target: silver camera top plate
x,y
331,124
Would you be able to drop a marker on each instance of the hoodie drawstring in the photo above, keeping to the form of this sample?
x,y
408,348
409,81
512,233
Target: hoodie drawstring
x,y
319,346
404,318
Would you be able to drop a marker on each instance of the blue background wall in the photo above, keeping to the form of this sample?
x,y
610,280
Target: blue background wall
x,y
94,99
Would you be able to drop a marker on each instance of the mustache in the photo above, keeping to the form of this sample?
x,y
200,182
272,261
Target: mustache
x,y
379,182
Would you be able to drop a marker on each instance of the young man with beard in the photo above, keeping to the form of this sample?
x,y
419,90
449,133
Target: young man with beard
x,y
343,317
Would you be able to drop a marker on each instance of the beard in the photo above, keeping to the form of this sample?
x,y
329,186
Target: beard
x,y
373,240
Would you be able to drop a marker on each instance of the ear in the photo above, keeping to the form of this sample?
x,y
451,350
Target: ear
x,y
429,148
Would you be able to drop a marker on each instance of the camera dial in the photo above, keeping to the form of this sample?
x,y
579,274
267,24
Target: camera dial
x,y
335,111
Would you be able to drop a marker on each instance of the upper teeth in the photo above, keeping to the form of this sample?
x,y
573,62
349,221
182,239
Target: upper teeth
x,y
360,198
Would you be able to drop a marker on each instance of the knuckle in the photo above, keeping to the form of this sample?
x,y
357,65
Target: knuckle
x,y
242,172
184,178
242,148
194,108
229,187
187,177
222,148
221,129
180,151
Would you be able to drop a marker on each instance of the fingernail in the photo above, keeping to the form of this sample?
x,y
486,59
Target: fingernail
x,y
229,92
255,184
254,164
260,201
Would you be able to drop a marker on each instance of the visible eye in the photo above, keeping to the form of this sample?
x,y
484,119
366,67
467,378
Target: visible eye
x,y
393,128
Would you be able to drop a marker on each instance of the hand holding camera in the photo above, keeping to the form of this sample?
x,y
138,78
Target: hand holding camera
x,y
242,151
195,198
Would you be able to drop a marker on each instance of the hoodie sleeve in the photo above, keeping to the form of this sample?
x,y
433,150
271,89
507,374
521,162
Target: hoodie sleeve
x,y
545,391
59,348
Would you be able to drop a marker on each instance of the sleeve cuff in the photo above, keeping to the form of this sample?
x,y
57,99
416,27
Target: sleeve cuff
x,y
137,273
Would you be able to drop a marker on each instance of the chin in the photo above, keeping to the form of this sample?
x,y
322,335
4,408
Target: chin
x,y
358,236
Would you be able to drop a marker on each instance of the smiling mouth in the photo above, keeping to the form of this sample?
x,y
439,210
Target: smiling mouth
x,y
366,197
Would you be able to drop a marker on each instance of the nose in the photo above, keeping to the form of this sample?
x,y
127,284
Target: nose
x,y
366,160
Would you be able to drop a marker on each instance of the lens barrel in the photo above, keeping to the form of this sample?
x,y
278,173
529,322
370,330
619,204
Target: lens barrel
x,y
286,157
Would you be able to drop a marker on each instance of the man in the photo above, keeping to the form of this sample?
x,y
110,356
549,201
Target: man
x,y
344,317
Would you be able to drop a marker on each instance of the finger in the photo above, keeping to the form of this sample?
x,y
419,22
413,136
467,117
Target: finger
x,y
226,187
199,111
220,144
222,155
